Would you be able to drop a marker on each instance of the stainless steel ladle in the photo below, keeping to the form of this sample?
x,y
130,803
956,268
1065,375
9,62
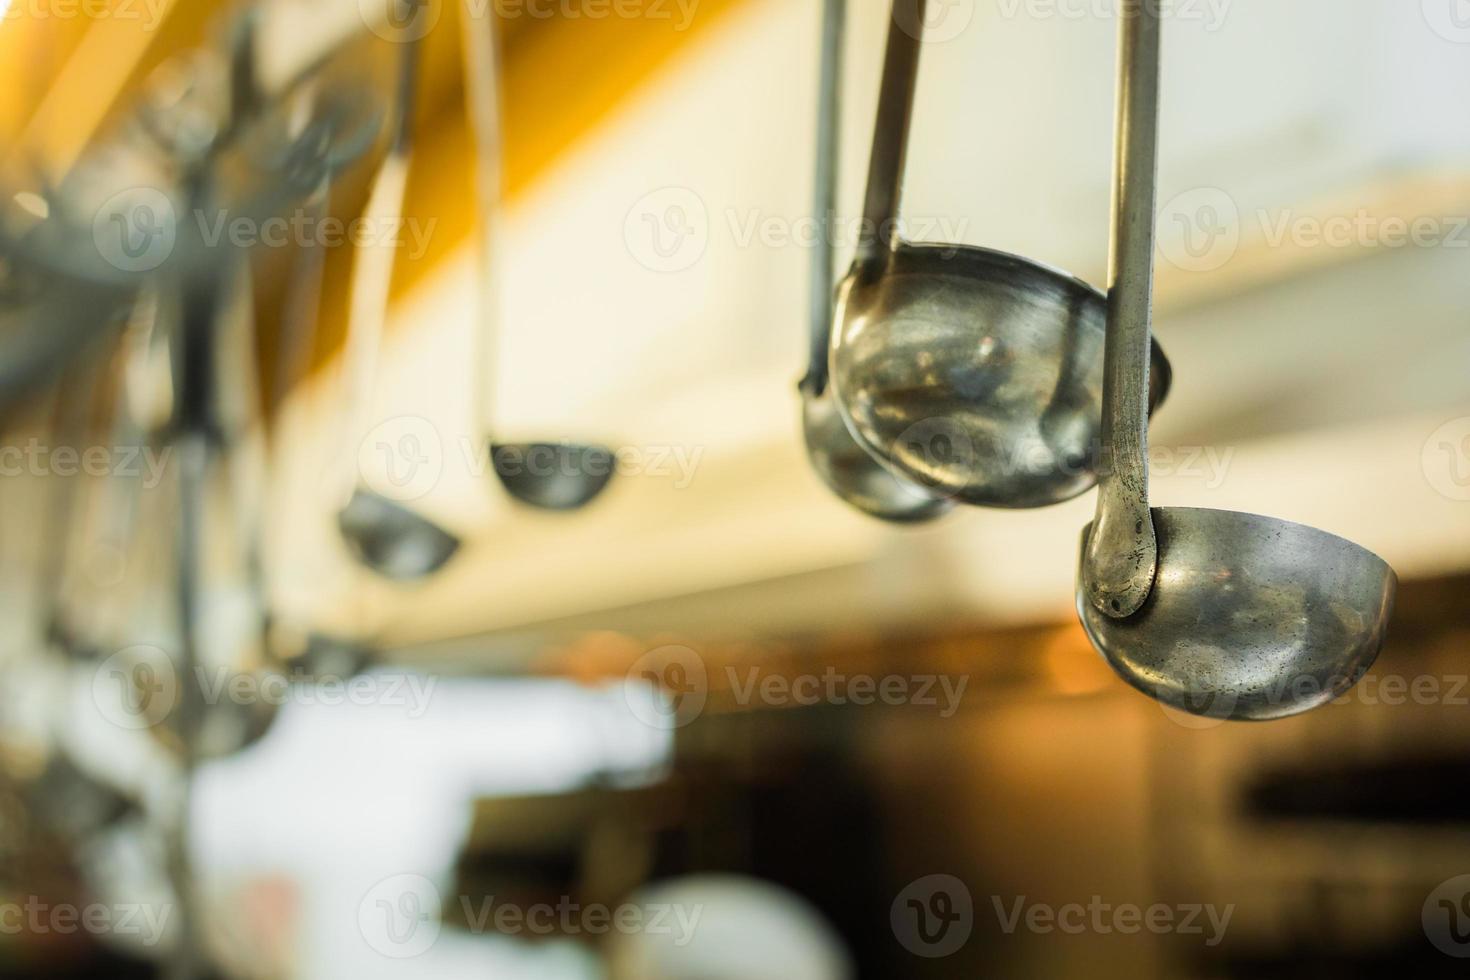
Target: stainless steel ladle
x,y
546,475
849,470
1213,612
975,373
386,536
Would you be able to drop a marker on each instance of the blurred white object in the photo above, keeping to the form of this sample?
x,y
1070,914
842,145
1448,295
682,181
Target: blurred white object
x,y
740,929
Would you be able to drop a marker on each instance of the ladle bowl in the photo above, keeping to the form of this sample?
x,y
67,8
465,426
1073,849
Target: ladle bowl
x,y
224,729
1249,618
553,475
851,472
391,539
76,804
977,374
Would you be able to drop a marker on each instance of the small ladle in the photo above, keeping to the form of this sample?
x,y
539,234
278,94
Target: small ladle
x,y
384,535
975,373
1213,612
545,475
849,470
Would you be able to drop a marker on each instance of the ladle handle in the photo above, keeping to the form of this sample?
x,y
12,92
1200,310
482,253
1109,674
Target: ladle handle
x,y
829,107
879,234
1122,551
482,98
372,275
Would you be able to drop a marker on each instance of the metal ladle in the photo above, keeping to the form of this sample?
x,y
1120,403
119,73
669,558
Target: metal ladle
x,y
848,469
974,373
545,475
383,534
1213,612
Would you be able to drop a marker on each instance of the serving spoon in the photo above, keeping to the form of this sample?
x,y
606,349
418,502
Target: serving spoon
x,y
545,475
383,534
975,373
848,470
1213,612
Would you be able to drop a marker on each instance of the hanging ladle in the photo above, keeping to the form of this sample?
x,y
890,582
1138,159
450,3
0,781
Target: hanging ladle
x,y
546,475
974,373
848,469
1213,612
383,534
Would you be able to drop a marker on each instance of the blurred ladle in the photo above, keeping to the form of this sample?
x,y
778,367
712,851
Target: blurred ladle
x,y
77,805
383,534
1213,612
849,470
974,373
545,475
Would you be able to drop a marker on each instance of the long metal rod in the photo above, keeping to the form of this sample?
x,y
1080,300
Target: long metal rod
x,y
829,110
482,101
193,450
879,232
372,273
1123,551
